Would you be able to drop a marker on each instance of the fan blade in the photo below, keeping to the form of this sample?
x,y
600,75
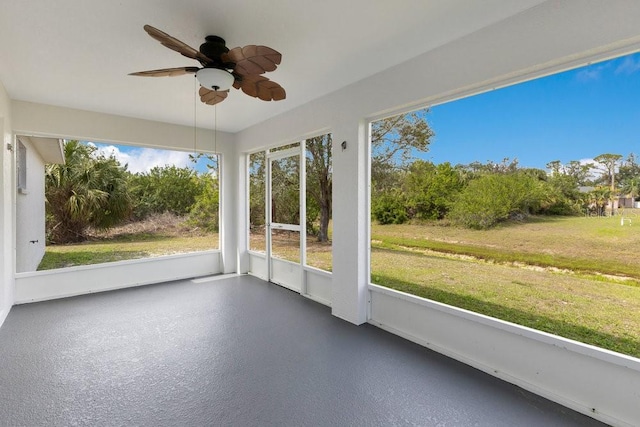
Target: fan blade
x,y
175,44
263,88
166,72
212,97
253,59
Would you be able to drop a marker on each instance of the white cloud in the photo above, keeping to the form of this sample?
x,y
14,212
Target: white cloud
x,y
628,66
144,159
590,74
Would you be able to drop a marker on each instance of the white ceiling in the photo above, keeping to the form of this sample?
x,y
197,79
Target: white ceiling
x,y
77,53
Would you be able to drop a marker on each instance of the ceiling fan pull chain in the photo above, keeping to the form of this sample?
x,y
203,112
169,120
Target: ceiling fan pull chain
x,y
195,121
215,129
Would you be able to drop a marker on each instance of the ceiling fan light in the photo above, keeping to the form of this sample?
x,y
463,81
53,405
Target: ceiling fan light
x,y
215,79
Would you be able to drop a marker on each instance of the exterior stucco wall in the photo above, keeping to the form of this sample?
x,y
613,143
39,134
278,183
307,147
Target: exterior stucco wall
x,y
30,213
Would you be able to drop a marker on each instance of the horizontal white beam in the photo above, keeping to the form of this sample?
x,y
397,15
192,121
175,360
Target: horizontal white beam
x,y
71,281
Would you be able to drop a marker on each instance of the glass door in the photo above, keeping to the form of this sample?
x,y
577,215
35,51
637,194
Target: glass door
x,y
285,214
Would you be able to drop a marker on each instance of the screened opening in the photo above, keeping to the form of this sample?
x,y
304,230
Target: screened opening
x,y
319,208
519,203
257,206
285,205
112,202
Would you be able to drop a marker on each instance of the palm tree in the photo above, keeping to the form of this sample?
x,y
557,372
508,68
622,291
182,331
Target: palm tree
x,y
630,188
598,197
87,190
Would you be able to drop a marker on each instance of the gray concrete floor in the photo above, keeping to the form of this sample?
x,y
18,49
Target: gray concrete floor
x,y
236,352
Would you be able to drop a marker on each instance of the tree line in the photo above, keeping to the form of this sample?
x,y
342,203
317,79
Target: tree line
x,y
480,195
91,190
476,195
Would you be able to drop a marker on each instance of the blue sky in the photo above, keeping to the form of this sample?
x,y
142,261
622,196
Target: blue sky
x,y
573,115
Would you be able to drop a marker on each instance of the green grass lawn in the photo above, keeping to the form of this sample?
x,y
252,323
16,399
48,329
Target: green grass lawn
x,y
605,314
576,243
545,274
133,246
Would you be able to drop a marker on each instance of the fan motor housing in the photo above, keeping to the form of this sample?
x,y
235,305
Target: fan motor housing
x,y
214,47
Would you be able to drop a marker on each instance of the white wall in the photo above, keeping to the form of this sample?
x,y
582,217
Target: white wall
x,y
6,208
30,214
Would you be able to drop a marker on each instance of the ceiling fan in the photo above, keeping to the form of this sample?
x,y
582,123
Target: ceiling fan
x,y
240,67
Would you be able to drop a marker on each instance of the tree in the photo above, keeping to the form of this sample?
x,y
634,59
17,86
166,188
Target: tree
x,y
285,190
477,169
555,167
579,171
629,176
87,190
505,166
394,142
597,199
565,197
609,163
319,181
257,188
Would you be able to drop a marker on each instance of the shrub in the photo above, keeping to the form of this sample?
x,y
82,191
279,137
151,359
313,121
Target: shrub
x,y
164,189
430,188
493,198
389,208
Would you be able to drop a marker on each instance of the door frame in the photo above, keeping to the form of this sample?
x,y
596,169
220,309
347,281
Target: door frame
x,y
293,277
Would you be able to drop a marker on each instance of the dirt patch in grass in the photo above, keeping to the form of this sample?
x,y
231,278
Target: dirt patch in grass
x,y
591,245
166,224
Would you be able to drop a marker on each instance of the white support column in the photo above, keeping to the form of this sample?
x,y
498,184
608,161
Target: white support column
x,y
350,223
302,176
242,205
229,211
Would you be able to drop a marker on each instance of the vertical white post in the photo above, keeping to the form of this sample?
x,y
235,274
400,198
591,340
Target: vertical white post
x,y
303,214
350,294
267,212
228,184
242,202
